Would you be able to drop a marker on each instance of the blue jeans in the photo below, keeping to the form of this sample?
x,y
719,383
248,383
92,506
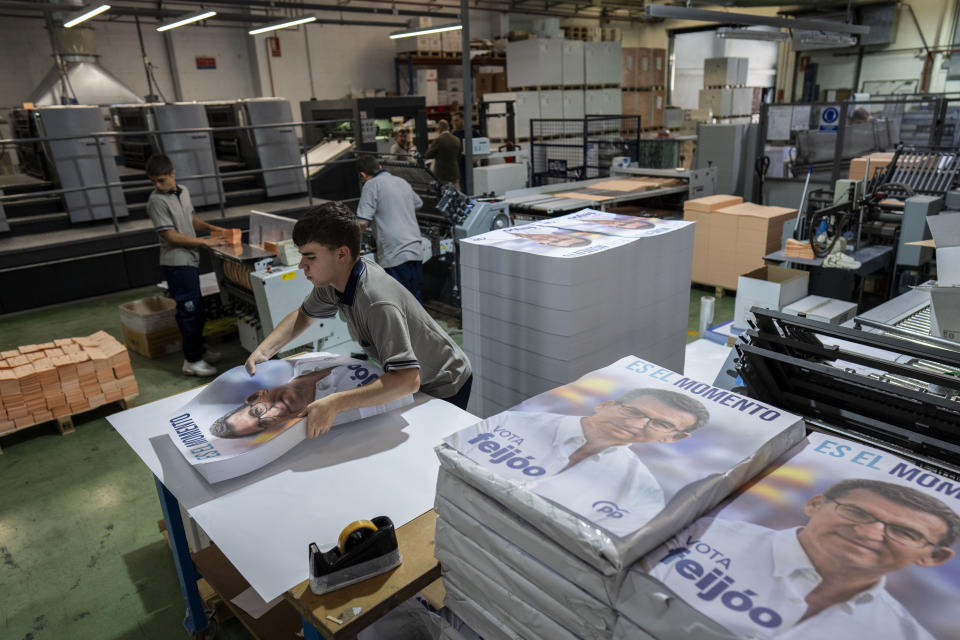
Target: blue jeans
x,y
184,283
409,274
462,397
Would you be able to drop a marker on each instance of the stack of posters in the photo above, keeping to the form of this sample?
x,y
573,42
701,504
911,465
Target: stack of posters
x,y
545,303
239,422
836,539
543,508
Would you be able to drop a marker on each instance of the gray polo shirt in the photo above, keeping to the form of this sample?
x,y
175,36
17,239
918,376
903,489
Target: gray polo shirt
x,y
173,210
393,328
392,204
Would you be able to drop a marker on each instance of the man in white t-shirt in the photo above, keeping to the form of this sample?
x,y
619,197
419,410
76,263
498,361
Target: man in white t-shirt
x,y
822,580
585,463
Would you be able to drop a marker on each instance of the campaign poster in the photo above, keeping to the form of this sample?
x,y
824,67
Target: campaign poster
x,y
836,539
616,446
239,422
548,241
615,224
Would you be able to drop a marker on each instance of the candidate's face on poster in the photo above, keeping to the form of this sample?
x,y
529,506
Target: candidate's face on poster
x,y
269,408
554,239
625,223
640,419
863,531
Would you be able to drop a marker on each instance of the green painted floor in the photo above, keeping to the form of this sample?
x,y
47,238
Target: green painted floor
x,y
82,555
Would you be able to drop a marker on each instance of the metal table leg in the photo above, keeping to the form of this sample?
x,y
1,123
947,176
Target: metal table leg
x,y
196,620
309,631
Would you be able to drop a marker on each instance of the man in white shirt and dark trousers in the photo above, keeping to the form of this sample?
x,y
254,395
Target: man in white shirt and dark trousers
x,y
391,204
172,214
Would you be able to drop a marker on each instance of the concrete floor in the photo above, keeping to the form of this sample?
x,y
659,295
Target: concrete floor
x,y
82,555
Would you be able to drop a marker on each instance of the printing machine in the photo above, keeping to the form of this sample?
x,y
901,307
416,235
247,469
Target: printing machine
x,y
889,208
259,148
190,153
542,201
883,381
71,164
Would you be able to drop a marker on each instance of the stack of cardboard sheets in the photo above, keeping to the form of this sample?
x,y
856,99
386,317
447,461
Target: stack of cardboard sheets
x,y
732,237
545,303
40,382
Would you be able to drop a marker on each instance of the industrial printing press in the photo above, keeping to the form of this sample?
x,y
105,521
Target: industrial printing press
x,y
883,383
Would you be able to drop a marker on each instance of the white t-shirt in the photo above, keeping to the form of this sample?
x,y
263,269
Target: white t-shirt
x,y
612,488
776,575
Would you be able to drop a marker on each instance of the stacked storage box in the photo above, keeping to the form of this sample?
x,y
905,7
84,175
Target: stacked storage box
x,y
724,93
545,303
748,568
732,237
643,78
40,382
430,42
537,530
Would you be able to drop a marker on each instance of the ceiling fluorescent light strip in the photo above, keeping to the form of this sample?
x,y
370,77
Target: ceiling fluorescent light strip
x,y
86,16
281,25
722,17
423,32
187,19
752,34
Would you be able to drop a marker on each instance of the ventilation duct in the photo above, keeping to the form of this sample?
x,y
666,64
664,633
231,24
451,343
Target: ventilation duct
x,y
76,73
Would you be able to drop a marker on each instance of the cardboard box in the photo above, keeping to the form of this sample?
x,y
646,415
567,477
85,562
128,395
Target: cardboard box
x,y
149,315
769,287
823,309
628,67
153,345
656,109
732,240
945,229
945,312
644,67
658,67
858,166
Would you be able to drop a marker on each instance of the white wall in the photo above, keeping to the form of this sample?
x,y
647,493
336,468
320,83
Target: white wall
x,y
343,58
119,51
25,48
228,45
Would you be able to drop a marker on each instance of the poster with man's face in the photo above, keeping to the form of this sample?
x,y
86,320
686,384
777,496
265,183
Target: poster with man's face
x,y
615,224
239,422
543,240
836,539
617,445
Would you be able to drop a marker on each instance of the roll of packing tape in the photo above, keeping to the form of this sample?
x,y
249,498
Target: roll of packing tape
x,y
351,528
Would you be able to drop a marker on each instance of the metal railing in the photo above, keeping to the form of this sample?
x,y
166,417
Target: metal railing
x,y
208,131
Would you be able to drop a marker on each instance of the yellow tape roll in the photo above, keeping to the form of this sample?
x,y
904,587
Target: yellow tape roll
x,y
350,528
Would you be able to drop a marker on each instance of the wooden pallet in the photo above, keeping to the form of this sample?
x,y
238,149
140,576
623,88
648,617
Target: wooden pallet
x,y
65,423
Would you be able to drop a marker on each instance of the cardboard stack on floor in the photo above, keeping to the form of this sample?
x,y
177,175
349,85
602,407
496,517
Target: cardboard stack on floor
x,y
732,236
532,546
744,570
545,303
40,382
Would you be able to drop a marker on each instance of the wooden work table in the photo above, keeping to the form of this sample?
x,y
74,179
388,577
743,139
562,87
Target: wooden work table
x,y
375,596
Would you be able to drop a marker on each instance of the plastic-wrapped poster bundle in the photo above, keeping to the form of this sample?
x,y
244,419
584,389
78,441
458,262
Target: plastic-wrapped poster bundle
x,y
835,540
612,464
615,224
238,422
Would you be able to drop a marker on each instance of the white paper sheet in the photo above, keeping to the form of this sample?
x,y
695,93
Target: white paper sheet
x,y
254,605
263,521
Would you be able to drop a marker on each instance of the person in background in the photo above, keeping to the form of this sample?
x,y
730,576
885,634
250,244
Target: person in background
x,y
390,203
445,152
172,214
402,147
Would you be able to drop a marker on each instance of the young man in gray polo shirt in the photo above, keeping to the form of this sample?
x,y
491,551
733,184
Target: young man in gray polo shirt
x,y
172,214
388,322
391,204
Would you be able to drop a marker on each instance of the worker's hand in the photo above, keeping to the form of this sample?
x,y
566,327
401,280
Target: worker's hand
x,y
215,241
255,358
320,415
